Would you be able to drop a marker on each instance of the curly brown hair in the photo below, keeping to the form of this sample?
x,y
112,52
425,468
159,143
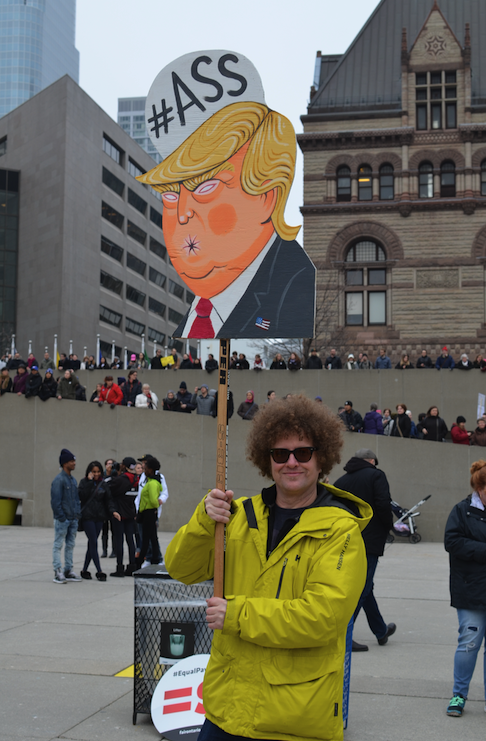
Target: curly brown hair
x,y
478,475
300,416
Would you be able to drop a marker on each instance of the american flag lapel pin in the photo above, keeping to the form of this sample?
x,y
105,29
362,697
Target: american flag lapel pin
x,y
262,323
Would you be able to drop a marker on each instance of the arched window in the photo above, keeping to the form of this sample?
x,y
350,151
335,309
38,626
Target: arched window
x,y
366,252
343,183
483,178
426,180
365,183
386,183
366,305
448,180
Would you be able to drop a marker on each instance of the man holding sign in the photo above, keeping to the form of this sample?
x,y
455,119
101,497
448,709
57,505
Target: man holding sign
x,y
295,567
228,169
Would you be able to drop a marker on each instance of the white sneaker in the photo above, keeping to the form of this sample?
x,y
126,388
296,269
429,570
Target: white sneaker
x,y
59,577
71,576
145,564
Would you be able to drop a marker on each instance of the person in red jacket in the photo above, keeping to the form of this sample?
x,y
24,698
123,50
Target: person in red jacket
x,y
459,434
110,393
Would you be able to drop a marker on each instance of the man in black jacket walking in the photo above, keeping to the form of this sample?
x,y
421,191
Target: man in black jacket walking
x,y
365,480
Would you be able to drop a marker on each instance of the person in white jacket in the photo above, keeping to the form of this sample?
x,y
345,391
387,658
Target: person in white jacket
x,y
147,399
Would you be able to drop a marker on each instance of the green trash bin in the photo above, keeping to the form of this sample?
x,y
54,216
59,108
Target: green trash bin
x,y
8,510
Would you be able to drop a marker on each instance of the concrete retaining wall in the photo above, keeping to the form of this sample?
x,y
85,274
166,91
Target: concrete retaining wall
x,y
32,434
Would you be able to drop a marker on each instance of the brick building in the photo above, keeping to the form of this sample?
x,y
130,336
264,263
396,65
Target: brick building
x,y
394,207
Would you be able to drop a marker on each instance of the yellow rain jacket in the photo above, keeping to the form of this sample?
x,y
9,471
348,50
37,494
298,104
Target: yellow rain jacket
x,y
276,668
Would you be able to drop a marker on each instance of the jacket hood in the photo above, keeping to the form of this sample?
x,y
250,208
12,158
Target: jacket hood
x,y
357,464
329,498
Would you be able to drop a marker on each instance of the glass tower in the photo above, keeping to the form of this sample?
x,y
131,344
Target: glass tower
x,y
36,47
131,117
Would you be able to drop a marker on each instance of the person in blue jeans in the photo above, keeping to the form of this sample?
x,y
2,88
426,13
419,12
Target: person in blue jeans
x,y
66,509
364,479
465,541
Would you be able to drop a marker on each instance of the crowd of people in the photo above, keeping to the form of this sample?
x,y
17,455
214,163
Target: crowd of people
x,y
399,423
131,392
125,498
238,361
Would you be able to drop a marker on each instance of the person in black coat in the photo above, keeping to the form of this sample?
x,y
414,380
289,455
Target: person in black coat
x,y
184,398
313,361
402,424
353,421
279,363
465,541
366,481
211,364
121,504
424,361
433,427
186,363
131,389
464,363
34,382
93,495
242,363
171,403
48,389
333,362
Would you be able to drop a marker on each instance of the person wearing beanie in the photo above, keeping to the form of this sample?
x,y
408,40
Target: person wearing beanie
x,y
459,434
204,403
20,380
445,360
66,509
184,398
34,382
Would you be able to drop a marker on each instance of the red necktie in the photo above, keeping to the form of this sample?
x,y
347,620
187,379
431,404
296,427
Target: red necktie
x,y
202,327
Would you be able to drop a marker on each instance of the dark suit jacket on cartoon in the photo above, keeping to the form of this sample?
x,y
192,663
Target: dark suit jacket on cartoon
x,y
282,293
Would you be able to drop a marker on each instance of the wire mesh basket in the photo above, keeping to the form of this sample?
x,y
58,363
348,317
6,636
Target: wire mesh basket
x,y
170,624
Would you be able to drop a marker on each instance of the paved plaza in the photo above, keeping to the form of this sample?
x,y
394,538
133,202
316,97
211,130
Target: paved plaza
x,y
61,647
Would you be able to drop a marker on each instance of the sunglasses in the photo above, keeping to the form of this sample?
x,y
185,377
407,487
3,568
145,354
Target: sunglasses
x,y
301,455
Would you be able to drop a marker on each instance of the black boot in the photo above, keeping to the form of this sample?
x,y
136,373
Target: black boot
x,y
130,569
119,571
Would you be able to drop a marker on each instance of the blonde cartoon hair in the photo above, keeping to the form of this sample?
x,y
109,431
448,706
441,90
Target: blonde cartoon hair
x,y
269,162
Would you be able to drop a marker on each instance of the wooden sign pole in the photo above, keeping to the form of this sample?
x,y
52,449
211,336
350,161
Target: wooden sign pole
x,y
221,462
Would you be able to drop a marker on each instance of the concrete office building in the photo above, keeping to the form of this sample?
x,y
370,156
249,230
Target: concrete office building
x,y
36,47
394,208
86,235
131,117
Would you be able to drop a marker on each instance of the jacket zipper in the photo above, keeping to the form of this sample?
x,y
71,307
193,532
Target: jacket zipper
x,y
281,577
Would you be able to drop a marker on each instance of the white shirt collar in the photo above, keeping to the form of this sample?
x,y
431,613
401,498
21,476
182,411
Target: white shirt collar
x,y
476,501
225,302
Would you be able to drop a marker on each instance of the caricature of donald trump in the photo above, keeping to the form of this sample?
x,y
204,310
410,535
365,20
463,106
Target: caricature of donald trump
x,y
224,190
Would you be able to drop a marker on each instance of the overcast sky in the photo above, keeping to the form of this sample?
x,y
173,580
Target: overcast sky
x,y
123,44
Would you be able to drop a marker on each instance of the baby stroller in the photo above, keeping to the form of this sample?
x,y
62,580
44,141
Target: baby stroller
x,y
405,526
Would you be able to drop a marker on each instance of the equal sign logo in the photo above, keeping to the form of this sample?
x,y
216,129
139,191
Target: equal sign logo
x,y
177,704
181,707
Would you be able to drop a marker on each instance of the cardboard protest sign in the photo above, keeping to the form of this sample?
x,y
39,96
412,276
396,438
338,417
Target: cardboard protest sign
x,y
228,167
176,707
